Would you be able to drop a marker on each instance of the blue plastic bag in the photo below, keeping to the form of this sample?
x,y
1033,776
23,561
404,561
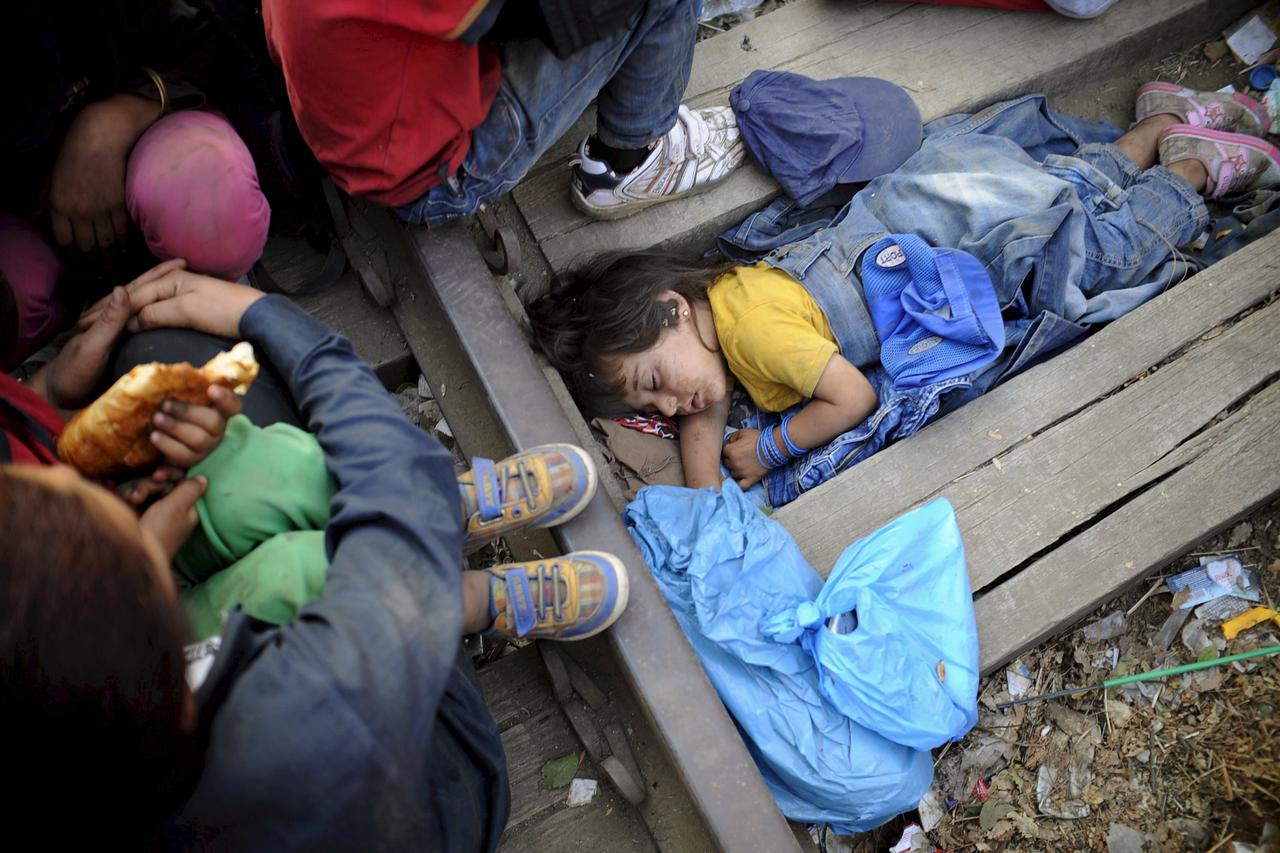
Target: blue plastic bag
x,y
909,669
725,568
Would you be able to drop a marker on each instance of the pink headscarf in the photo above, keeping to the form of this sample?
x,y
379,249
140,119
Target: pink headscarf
x,y
193,190
33,270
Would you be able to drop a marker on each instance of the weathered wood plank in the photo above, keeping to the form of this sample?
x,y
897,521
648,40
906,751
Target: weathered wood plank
x,y
534,730
529,745
344,306
928,49
1060,480
371,329
1227,472
604,824
516,687
825,520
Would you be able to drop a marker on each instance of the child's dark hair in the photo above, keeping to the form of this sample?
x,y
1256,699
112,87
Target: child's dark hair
x,y
92,678
610,307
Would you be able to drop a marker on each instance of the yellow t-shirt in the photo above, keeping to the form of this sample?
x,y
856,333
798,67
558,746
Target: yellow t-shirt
x,y
773,334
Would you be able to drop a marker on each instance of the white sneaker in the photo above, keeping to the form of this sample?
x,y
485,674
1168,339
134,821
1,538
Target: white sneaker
x,y
699,151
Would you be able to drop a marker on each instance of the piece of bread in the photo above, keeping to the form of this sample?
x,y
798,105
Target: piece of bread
x,y
112,435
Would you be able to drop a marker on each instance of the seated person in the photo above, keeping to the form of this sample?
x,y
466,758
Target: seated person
x,y
355,723
112,144
436,108
261,493
1069,233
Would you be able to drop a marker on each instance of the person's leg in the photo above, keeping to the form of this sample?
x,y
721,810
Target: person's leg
x,y
192,188
33,313
268,401
541,97
623,168
640,101
271,583
1141,142
263,482
1134,219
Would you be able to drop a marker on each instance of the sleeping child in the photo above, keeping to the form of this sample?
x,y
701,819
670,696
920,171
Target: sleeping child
x,y
1009,235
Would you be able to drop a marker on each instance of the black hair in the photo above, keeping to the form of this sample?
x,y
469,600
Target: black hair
x,y
92,684
608,308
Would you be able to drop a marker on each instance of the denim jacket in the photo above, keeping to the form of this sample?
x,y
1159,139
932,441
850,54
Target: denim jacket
x,y
1065,245
351,727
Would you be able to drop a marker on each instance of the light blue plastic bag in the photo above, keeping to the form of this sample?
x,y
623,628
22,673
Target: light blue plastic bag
x,y
909,670
725,568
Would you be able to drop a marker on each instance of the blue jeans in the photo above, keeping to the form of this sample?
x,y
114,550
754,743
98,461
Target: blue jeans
x,y
638,77
1136,218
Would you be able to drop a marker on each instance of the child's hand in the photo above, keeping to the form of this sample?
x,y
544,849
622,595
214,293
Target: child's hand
x,y
740,458
171,519
186,433
160,483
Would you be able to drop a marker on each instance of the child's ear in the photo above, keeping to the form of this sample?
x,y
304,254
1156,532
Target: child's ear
x,y
678,302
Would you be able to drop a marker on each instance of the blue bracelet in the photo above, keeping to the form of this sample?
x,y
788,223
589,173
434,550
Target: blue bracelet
x,y
778,458
786,439
759,452
768,454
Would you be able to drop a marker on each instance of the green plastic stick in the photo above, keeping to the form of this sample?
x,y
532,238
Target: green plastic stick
x,y
1153,675
1190,667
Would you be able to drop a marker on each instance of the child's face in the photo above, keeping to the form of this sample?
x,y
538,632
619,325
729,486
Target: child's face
x,y
682,374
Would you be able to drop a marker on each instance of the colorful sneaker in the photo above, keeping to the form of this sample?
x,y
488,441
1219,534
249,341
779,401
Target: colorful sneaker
x,y
1235,162
1213,110
568,598
701,149
541,487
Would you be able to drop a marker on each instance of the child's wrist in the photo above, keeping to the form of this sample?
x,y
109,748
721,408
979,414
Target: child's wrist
x,y
768,453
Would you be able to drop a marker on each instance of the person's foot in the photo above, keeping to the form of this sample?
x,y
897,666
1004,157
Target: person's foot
x,y
700,150
1228,111
541,487
567,598
1234,162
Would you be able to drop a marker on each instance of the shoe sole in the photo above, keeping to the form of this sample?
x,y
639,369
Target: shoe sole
x,y
1258,111
619,604
593,479
1269,178
631,208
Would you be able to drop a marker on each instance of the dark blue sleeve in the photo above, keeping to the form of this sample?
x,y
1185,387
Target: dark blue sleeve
x,y
344,698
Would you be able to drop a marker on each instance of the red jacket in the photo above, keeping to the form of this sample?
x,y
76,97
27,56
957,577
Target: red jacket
x,y
384,94
29,427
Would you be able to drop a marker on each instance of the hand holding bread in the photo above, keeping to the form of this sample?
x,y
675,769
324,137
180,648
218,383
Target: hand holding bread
x,y
113,434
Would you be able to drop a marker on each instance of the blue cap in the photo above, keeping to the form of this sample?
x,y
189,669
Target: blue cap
x,y
814,134
1260,78
935,310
